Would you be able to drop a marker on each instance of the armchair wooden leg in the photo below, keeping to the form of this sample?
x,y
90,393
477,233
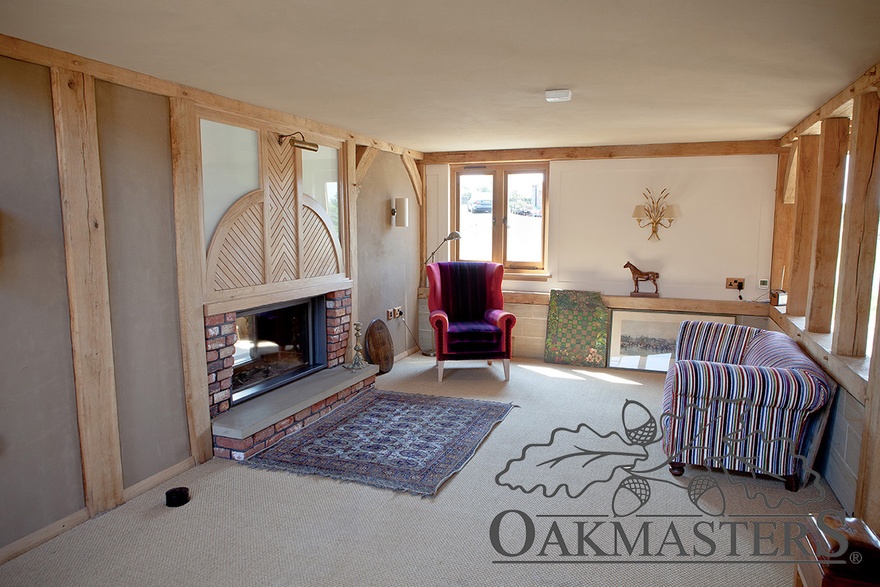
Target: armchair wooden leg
x,y
440,371
676,468
792,483
506,369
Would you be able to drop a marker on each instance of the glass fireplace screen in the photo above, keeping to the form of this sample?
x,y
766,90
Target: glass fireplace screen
x,y
276,346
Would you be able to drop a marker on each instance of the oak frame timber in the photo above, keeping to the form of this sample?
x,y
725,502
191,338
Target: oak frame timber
x,y
833,145
859,242
85,252
783,223
805,224
605,152
188,223
838,106
34,53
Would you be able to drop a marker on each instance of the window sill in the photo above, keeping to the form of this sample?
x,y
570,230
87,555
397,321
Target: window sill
x,y
850,372
512,275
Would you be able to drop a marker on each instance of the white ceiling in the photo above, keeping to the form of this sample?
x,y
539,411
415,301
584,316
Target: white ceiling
x,y
437,75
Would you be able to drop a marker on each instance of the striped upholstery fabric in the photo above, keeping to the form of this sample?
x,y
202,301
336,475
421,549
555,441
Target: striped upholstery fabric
x,y
712,341
745,415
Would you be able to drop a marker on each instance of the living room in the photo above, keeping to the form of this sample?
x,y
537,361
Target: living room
x,y
133,180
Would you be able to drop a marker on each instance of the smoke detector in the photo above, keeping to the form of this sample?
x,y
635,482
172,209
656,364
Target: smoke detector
x,y
557,95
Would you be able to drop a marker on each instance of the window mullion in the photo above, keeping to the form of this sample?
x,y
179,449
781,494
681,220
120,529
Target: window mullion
x,y
499,232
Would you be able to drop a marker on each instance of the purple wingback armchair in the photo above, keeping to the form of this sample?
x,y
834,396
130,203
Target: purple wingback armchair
x,y
467,313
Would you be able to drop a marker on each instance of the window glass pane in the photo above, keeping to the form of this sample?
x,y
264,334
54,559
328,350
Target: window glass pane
x,y
321,180
475,214
525,223
230,169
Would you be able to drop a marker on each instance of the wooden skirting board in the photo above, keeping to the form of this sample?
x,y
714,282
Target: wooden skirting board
x,y
22,545
157,479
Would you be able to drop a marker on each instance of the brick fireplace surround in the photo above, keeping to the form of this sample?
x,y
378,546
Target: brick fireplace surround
x,y
220,345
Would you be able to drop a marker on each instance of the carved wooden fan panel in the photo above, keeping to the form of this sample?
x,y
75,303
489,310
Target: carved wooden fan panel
x,y
323,254
235,257
261,240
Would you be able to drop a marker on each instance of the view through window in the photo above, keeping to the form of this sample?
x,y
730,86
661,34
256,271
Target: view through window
x,y
500,213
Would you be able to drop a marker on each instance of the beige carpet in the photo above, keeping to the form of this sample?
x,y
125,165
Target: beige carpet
x,y
248,527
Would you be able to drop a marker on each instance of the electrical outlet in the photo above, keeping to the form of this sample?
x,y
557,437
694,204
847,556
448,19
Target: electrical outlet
x,y
389,314
398,311
735,283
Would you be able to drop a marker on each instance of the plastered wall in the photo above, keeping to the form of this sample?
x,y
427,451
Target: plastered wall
x,y
725,229
40,467
388,263
134,141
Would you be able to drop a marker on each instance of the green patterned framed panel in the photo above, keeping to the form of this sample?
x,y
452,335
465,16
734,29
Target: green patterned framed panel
x,y
577,329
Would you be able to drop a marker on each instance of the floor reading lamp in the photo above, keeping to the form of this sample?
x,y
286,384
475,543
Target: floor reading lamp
x,y
452,236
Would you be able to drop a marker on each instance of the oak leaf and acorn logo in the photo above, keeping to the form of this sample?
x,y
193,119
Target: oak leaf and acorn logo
x,y
575,459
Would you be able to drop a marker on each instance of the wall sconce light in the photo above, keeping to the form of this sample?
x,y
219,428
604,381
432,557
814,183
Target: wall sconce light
x,y
400,212
655,212
299,143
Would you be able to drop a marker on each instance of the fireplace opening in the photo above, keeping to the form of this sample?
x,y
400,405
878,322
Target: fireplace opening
x,y
278,344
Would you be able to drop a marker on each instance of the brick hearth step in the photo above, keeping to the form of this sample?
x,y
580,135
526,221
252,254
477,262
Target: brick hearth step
x,y
251,426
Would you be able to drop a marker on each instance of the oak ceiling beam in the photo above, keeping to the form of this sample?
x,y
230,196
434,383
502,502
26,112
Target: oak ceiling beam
x,y
34,53
768,147
840,106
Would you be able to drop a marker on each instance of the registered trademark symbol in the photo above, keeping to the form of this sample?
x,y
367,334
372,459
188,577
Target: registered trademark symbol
x,y
855,558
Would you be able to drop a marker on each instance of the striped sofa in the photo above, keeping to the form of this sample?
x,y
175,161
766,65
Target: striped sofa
x,y
739,398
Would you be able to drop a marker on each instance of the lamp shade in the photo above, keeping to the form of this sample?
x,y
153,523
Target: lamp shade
x,y
639,212
672,212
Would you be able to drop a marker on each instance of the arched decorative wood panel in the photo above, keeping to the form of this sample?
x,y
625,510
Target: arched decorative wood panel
x,y
236,254
255,243
323,253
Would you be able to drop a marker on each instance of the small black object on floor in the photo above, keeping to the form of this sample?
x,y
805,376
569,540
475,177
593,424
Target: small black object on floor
x,y
177,497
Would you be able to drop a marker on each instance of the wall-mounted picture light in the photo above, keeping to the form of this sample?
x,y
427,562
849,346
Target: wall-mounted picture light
x,y
299,143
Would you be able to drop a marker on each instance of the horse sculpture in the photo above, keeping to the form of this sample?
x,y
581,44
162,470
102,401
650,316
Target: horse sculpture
x,y
639,275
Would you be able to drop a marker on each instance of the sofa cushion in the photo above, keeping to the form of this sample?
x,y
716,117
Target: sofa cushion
x,y
712,341
775,349
473,336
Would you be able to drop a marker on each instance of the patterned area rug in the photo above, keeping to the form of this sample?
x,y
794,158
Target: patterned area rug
x,y
399,441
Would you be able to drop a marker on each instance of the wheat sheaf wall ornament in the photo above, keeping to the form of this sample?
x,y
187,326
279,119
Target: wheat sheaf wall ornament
x,y
655,212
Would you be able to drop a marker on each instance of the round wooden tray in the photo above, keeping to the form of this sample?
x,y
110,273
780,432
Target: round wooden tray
x,y
379,346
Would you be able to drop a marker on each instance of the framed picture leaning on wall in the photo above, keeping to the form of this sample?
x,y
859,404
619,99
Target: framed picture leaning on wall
x,y
645,341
